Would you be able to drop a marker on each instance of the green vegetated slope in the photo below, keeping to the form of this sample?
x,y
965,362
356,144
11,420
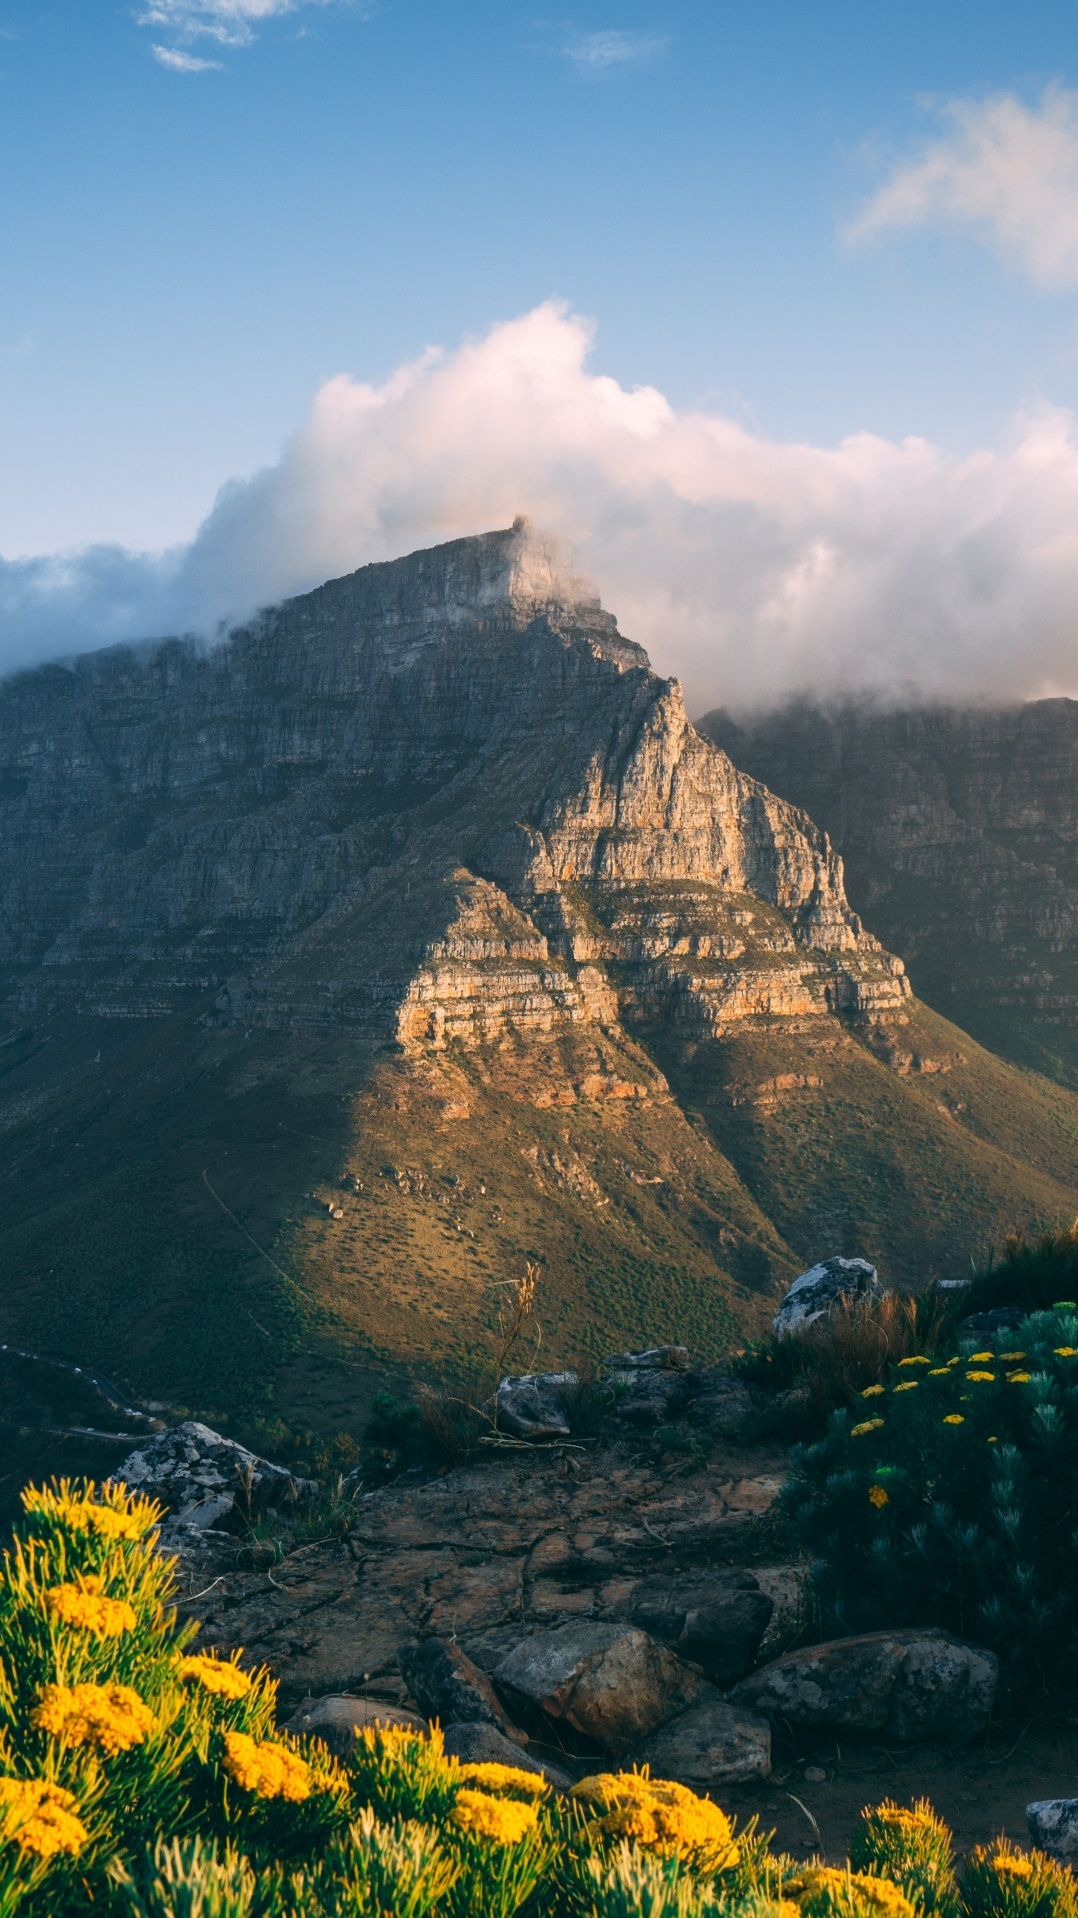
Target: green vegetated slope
x,y
912,1144
167,1204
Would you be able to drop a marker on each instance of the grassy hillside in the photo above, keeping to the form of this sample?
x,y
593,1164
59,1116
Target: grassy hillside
x,y
167,1193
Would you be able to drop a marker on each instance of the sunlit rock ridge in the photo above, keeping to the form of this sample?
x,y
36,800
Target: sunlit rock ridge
x,y
413,935
437,799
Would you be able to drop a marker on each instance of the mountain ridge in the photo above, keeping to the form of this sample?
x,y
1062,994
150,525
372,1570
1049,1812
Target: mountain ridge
x,y
414,933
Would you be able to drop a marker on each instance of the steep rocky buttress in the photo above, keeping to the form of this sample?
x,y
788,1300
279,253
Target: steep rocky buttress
x,y
414,932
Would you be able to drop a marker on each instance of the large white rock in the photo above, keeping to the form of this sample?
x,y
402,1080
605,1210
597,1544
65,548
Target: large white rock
x,y
812,1295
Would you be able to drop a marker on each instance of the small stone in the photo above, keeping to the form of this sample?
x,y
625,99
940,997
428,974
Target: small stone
x,y
713,1743
530,1407
447,1686
338,1719
814,1775
1053,1826
477,1744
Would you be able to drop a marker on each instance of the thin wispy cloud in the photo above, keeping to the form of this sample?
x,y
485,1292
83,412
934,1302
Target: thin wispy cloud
x,y
228,23
1007,170
179,62
612,48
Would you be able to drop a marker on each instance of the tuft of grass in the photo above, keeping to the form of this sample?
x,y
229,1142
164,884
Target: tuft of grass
x,y
827,1367
1032,1273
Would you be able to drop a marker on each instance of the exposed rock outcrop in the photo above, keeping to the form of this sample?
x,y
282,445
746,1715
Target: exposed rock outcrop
x,y
413,932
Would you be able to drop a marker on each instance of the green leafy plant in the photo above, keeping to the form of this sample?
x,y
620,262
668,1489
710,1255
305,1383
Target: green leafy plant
x,y
947,1499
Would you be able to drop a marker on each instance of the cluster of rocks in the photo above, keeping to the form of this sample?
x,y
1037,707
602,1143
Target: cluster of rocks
x,y
589,1607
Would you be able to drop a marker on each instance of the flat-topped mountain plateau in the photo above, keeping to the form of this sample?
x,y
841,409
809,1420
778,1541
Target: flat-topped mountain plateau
x,y
414,933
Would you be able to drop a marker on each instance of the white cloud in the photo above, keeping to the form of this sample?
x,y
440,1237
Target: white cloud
x,y
1005,168
179,62
231,23
752,568
615,47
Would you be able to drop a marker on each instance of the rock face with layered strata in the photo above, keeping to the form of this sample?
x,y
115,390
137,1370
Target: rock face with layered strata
x,y
414,933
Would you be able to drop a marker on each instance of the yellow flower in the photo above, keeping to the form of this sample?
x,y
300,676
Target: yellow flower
x,y
662,1816
1066,1352
910,1385
872,1391
505,1778
992,1439
957,1360
939,1372
905,1817
981,1358
216,1675
132,1518
503,1820
1012,1864
1011,1358
1019,1378
824,1889
267,1769
917,1359
39,1817
110,1716
878,1497
981,1378
87,1608
867,1425
954,1418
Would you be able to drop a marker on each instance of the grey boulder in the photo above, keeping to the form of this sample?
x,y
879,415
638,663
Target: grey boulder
x,y
531,1407
612,1682
203,1477
716,1619
1053,1826
908,1685
479,1744
447,1686
651,1387
713,1743
812,1296
338,1720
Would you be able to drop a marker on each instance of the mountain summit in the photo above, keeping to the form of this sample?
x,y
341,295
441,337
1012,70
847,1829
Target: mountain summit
x,y
420,902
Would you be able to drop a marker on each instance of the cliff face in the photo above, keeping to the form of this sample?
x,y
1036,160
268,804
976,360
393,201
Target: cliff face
x,y
412,933
960,833
242,821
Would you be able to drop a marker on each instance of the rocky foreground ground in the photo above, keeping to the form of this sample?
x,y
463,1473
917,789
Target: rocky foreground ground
x,y
569,1604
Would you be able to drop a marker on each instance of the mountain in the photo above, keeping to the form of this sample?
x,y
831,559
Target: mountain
x,y
413,934
959,831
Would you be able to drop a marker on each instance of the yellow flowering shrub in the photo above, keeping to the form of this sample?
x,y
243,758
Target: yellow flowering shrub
x,y
507,1778
110,1717
40,1817
660,1815
504,1821
912,1847
113,1514
825,1891
89,1609
217,1675
998,1881
266,1768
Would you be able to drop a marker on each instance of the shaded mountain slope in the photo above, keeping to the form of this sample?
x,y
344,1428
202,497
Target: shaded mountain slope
x,y
421,903
959,832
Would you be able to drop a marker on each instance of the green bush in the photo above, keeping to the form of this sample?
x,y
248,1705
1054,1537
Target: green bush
x,y
913,1848
949,1499
1031,1274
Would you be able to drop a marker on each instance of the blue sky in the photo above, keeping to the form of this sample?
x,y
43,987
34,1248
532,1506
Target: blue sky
x,y
194,239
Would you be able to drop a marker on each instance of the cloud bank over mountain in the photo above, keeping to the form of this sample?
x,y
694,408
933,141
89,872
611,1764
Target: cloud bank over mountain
x,y
753,569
